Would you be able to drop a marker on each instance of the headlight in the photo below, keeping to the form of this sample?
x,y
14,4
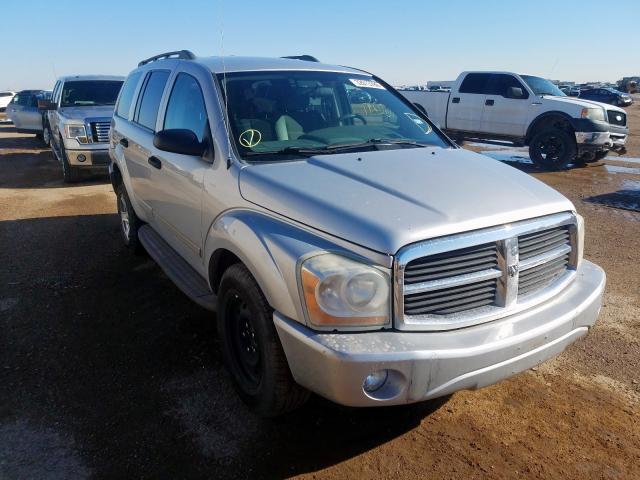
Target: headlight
x,y
596,114
338,292
77,132
580,239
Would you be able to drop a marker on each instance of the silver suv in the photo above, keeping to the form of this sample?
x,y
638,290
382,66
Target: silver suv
x,y
77,121
348,247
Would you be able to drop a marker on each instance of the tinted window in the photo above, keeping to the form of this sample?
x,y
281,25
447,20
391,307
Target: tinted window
x,y
21,99
474,83
150,103
499,84
186,106
126,96
90,92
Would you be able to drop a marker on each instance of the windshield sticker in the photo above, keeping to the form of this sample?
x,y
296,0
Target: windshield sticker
x,y
359,82
250,138
419,122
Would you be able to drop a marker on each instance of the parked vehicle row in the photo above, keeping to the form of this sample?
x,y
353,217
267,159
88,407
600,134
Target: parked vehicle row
x,y
348,246
526,110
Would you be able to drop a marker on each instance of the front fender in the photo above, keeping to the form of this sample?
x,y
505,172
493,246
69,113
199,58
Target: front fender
x,y
270,248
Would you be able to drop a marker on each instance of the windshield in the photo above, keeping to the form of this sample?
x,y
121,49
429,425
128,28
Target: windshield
x,y
279,115
541,86
90,92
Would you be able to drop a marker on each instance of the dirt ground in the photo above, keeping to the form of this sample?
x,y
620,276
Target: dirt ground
x,y
108,371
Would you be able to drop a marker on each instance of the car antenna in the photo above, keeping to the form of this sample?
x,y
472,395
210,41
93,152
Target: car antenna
x,y
224,82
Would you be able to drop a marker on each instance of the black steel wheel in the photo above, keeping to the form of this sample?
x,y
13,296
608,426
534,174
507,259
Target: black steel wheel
x,y
552,148
251,347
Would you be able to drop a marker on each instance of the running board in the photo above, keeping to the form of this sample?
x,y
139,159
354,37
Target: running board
x,y
179,271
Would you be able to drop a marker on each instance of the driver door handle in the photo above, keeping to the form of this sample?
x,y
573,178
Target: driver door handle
x,y
124,142
155,162
488,101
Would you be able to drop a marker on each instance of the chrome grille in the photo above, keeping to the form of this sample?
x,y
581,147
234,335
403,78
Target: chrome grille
x,y
544,256
100,131
469,278
617,118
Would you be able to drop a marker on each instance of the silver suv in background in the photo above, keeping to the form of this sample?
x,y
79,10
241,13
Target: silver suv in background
x,y
77,121
348,247
23,111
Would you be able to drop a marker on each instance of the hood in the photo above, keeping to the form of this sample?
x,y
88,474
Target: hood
x,y
385,200
583,103
82,113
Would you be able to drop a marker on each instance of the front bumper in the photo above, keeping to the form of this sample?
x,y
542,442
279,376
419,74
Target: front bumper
x,y
601,140
92,158
424,365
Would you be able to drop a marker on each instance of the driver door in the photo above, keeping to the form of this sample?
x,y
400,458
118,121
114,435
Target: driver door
x,y
505,113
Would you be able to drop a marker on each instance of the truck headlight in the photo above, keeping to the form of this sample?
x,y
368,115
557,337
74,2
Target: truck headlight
x,y
595,114
77,132
580,246
340,292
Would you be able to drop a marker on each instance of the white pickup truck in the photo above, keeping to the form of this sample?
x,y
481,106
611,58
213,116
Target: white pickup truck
x,y
526,110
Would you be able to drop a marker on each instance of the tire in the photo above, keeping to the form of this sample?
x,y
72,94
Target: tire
x,y
70,174
46,135
600,156
129,221
251,348
552,148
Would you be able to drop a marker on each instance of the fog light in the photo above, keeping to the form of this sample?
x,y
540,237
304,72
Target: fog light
x,y
375,381
81,158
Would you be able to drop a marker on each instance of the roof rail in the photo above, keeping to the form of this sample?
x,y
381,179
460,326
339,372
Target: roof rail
x,y
181,54
306,58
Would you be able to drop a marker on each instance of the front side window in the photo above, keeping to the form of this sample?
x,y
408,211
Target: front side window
x,y
150,102
77,93
500,84
541,86
186,109
283,115
126,96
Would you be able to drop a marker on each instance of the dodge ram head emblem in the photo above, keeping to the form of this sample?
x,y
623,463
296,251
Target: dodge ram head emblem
x,y
512,270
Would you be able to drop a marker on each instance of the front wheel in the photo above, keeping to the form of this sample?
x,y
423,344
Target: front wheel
x,y
46,135
251,348
70,174
553,149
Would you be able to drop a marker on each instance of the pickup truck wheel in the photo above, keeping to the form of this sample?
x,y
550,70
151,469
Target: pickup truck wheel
x,y
251,348
129,221
600,155
70,174
552,148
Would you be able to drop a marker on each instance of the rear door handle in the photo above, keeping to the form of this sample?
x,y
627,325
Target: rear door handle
x,y
455,100
488,101
124,142
155,162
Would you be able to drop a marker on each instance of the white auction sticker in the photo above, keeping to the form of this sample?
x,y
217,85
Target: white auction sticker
x,y
359,82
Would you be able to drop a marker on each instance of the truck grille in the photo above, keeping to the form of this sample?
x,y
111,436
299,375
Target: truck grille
x,y
496,271
617,118
100,131
543,257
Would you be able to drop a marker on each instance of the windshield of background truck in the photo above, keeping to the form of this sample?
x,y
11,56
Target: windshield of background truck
x,y
276,115
90,92
541,86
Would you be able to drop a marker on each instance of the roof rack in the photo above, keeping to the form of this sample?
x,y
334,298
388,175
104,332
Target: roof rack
x,y
180,54
306,58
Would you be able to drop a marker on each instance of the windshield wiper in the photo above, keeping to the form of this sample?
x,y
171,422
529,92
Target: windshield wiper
x,y
341,147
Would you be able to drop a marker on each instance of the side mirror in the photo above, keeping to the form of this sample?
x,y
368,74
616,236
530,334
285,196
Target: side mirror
x,y
179,140
421,108
46,105
515,92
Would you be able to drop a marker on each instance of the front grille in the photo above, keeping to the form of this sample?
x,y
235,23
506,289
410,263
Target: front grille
x,y
544,256
507,268
617,118
100,131
438,278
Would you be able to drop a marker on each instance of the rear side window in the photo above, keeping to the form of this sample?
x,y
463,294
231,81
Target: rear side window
x,y
150,102
186,107
475,83
126,96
